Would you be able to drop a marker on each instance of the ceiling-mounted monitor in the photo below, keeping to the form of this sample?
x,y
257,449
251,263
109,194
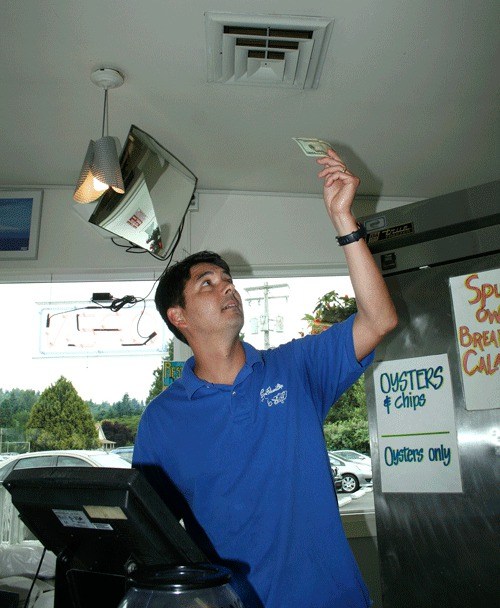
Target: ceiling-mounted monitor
x,y
159,189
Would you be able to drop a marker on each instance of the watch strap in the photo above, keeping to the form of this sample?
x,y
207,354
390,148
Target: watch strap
x,y
358,234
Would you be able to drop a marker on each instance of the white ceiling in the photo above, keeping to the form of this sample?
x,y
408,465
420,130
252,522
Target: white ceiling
x,y
408,93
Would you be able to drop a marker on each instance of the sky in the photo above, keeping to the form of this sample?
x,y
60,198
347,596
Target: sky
x,y
38,348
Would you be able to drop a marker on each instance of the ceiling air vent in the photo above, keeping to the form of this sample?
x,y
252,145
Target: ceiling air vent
x,y
263,50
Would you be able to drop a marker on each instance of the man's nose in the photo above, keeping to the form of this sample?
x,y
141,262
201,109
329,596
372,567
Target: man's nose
x,y
230,288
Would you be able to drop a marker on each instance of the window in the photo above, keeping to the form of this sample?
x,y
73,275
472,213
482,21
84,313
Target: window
x,y
55,329
104,366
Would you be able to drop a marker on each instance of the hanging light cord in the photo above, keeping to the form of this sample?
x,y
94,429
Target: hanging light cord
x,y
105,118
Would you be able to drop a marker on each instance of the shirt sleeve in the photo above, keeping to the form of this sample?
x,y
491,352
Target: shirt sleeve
x,y
329,363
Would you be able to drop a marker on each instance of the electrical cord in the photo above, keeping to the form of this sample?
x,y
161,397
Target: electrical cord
x,y
129,301
118,303
26,603
62,312
133,248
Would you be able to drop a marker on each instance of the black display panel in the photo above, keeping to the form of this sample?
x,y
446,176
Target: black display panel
x,y
102,524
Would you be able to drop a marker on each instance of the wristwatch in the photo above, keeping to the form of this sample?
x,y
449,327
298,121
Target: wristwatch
x,y
358,234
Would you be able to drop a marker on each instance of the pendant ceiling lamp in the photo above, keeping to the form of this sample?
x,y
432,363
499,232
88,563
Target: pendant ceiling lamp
x,y
101,167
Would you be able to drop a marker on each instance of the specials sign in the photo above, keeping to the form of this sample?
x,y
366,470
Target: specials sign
x,y
416,426
476,307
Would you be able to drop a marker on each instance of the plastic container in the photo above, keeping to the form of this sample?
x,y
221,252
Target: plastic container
x,y
193,586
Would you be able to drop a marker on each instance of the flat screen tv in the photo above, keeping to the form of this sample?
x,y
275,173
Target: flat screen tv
x,y
159,189
103,524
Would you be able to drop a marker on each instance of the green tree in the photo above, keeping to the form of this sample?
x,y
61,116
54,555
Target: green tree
x,y
118,432
14,403
346,424
99,410
125,407
157,385
352,404
331,308
131,422
60,419
15,406
348,434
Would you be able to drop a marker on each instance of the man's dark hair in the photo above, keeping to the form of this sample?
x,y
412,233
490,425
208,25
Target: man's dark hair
x,y
170,290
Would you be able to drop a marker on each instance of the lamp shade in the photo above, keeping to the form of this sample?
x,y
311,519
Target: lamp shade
x,y
100,171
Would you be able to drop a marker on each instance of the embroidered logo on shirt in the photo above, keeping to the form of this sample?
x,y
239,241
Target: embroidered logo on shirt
x,y
273,396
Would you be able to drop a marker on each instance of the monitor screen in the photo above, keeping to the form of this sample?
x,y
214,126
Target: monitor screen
x,y
158,192
102,519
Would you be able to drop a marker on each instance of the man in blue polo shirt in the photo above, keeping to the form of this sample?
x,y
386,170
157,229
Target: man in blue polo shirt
x,y
235,446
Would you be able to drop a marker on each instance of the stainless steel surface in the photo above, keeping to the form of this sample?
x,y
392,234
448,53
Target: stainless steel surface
x,y
439,549
442,229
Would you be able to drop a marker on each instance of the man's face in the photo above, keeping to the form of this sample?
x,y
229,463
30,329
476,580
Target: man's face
x,y
212,304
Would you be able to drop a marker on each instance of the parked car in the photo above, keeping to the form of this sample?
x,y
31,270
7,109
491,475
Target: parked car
x,y
352,455
62,458
354,474
12,530
337,478
126,452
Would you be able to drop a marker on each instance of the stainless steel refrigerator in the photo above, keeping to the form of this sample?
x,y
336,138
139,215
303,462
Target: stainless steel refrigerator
x,y
433,398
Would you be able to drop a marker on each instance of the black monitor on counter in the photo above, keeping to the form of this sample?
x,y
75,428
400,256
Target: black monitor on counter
x,y
102,524
159,189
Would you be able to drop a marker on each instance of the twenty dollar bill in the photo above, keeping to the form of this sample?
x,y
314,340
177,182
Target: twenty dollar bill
x,y
311,146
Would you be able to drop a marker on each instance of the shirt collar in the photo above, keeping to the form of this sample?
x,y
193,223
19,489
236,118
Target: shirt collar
x,y
192,383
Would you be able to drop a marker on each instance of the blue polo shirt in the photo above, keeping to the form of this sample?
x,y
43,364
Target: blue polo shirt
x,y
248,470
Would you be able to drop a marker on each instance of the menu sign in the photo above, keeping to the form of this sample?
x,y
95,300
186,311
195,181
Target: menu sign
x,y
416,426
476,306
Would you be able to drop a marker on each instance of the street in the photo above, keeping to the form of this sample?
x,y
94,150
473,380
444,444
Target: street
x,y
360,501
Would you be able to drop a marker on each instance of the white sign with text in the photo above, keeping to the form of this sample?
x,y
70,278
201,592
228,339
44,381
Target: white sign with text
x,y
476,306
416,426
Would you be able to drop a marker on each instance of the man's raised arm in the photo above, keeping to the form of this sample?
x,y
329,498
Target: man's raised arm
x,y
376,315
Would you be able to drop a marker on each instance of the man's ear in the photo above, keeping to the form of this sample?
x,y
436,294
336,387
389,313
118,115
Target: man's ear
x,y
176,316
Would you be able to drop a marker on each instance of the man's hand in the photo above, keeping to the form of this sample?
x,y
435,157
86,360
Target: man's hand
x,y
339,188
